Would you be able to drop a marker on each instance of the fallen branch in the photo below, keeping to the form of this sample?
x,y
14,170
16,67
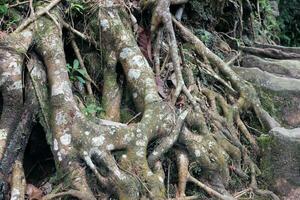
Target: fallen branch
x,y
36,15
209,190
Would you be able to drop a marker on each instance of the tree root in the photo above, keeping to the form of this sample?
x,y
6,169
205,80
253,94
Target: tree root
x,y
117,154
18,183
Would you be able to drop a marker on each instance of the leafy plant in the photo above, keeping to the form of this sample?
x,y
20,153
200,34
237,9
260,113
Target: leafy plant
x,y
3,9
92,109
75,7
75,72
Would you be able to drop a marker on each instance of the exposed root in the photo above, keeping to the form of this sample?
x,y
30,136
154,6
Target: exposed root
x,y
208,189
18,182
35,16
74,193
270,53
207,136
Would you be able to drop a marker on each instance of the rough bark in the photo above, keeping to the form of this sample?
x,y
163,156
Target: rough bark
x,y
201,124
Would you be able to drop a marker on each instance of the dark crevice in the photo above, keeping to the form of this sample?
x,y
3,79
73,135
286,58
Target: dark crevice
x,y
38,159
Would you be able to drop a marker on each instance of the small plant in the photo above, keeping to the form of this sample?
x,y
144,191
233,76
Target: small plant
x,y
93,109
75,72
75,8
3,9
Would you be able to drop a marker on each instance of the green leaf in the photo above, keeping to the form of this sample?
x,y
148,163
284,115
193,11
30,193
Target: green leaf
x,y
3,9
75,64
82,72
80,79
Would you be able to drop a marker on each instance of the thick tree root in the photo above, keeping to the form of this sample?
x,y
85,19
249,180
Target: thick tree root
x,y
209,130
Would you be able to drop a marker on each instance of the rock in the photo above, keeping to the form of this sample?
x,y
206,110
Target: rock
x,y
281,161
280,96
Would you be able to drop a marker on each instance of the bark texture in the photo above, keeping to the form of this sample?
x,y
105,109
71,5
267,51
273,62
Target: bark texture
x,y
195,124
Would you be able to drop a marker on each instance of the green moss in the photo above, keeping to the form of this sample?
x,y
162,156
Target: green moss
x,y
271,102
265,143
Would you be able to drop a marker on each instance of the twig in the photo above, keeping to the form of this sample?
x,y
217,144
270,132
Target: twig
x,y
81,62
31,8
233,59
185,198
133,118
18,4
73,30
241,193
74,193
54,20
208,189
36,15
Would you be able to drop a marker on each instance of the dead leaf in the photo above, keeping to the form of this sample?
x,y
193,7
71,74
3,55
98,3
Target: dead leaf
x,y
160,87
144,42
33,192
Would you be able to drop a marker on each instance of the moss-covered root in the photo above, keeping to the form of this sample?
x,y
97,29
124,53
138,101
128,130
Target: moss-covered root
x,y
248,97
184,176
112,91
12,51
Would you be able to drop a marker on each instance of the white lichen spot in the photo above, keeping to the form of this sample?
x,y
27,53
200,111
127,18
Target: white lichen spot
x,y
78,114
161,179
61,88
104,24
125,53
3,134
134,74
139,135
117,173
39,74
150,97
210,144
65,139
134,95
89,162
59,156
63,152
140,153
55,145
57,61
15,194
110,13
98,141
86,133
141,143
85,153
26,34
110,147
60,118
7,54
149,173
155,153
197,153
124,156
17,85
182,157
138,60
112,131
127,138
149,82
15,68
109,3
